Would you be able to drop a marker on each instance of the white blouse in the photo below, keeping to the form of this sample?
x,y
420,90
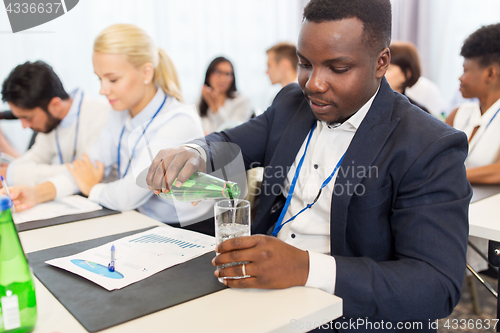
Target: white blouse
x,y
484,148
235,111
175,124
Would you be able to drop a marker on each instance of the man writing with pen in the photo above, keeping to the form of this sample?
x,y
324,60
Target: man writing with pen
x,y
67,124
390,243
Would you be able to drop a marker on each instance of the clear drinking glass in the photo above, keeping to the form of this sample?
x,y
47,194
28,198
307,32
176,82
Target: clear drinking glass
x,y
232,219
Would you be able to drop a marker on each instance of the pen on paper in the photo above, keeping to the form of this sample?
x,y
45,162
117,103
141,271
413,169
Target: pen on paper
x,y
4,184
111,265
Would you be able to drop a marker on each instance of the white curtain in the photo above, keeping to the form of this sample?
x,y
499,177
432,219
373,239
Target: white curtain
x,y
193,32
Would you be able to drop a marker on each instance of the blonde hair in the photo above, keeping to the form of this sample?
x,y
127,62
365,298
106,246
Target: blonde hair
x,y
139,49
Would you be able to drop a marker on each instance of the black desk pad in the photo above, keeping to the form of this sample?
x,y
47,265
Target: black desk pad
x,y
97,309
65,219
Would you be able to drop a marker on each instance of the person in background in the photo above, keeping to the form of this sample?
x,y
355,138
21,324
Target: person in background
x,y
390,242
282,63
404,70
140,82
480,120
428,94
67,124
220,105
6,148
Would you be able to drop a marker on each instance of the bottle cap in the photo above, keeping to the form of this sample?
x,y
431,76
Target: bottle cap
x,y
5,202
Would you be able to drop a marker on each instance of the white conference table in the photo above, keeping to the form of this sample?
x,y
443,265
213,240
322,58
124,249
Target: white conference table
x,y
243,310
484,222
484,218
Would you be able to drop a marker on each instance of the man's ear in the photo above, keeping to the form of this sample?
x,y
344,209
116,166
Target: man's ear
x,y
56,108
383,61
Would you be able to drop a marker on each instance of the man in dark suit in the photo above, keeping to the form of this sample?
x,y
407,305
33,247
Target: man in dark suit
x,y
388,232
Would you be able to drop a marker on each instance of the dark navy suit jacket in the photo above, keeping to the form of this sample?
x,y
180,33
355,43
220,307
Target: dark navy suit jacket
x,y
400,245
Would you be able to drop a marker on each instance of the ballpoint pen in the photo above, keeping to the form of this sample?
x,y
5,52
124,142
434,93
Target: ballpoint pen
x,y
111,265
4,184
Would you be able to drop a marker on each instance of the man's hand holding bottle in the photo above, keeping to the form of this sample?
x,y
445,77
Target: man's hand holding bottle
x,y
172,163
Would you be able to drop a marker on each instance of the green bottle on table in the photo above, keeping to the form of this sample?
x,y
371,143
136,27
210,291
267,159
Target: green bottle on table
x,y
17,289
201,186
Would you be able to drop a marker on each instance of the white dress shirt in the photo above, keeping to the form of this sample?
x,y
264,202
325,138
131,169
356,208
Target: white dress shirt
x,y
311,229
42,161
174,124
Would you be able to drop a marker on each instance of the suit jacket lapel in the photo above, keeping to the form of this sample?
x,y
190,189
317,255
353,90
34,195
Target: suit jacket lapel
x,y
286,150
365,146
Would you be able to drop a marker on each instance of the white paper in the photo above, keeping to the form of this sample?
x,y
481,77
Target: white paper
x,y
137,257
70,205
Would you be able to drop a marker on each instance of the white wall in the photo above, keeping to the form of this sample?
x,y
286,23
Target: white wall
x,y
193,32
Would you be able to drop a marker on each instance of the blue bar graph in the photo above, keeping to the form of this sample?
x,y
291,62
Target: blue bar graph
x,y
154,238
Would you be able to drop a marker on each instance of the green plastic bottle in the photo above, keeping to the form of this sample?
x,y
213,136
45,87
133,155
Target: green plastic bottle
x,y
201,186
17,289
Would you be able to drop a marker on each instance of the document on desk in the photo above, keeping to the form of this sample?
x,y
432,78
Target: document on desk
x,y
69,205
137,257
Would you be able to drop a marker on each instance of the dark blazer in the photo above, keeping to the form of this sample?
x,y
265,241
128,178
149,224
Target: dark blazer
x,y
399,236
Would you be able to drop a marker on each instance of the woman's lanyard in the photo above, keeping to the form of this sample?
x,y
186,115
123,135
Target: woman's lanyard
x,y
280,225
76,136
135,146
489,123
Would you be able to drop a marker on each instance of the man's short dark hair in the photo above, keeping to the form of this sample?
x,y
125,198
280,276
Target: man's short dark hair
x,y
375,15
285,50
483,44
32,85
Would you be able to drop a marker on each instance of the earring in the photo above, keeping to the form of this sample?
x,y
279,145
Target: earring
x,y
146,82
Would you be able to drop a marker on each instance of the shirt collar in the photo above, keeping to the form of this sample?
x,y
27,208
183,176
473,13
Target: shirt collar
x,y
149,111
77,96
490,113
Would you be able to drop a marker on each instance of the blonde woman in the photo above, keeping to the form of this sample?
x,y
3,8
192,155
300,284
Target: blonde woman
x,y
141,84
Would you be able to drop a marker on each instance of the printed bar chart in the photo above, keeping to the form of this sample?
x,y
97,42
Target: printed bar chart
x,y
155,238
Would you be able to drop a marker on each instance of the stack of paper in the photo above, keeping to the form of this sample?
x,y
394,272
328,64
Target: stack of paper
x,y
70,205
137,257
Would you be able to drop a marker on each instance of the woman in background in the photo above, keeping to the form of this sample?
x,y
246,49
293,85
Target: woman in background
x,y
221,106
140,82
404,70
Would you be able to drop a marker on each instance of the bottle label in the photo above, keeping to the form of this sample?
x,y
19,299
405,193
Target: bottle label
x,y
10,312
